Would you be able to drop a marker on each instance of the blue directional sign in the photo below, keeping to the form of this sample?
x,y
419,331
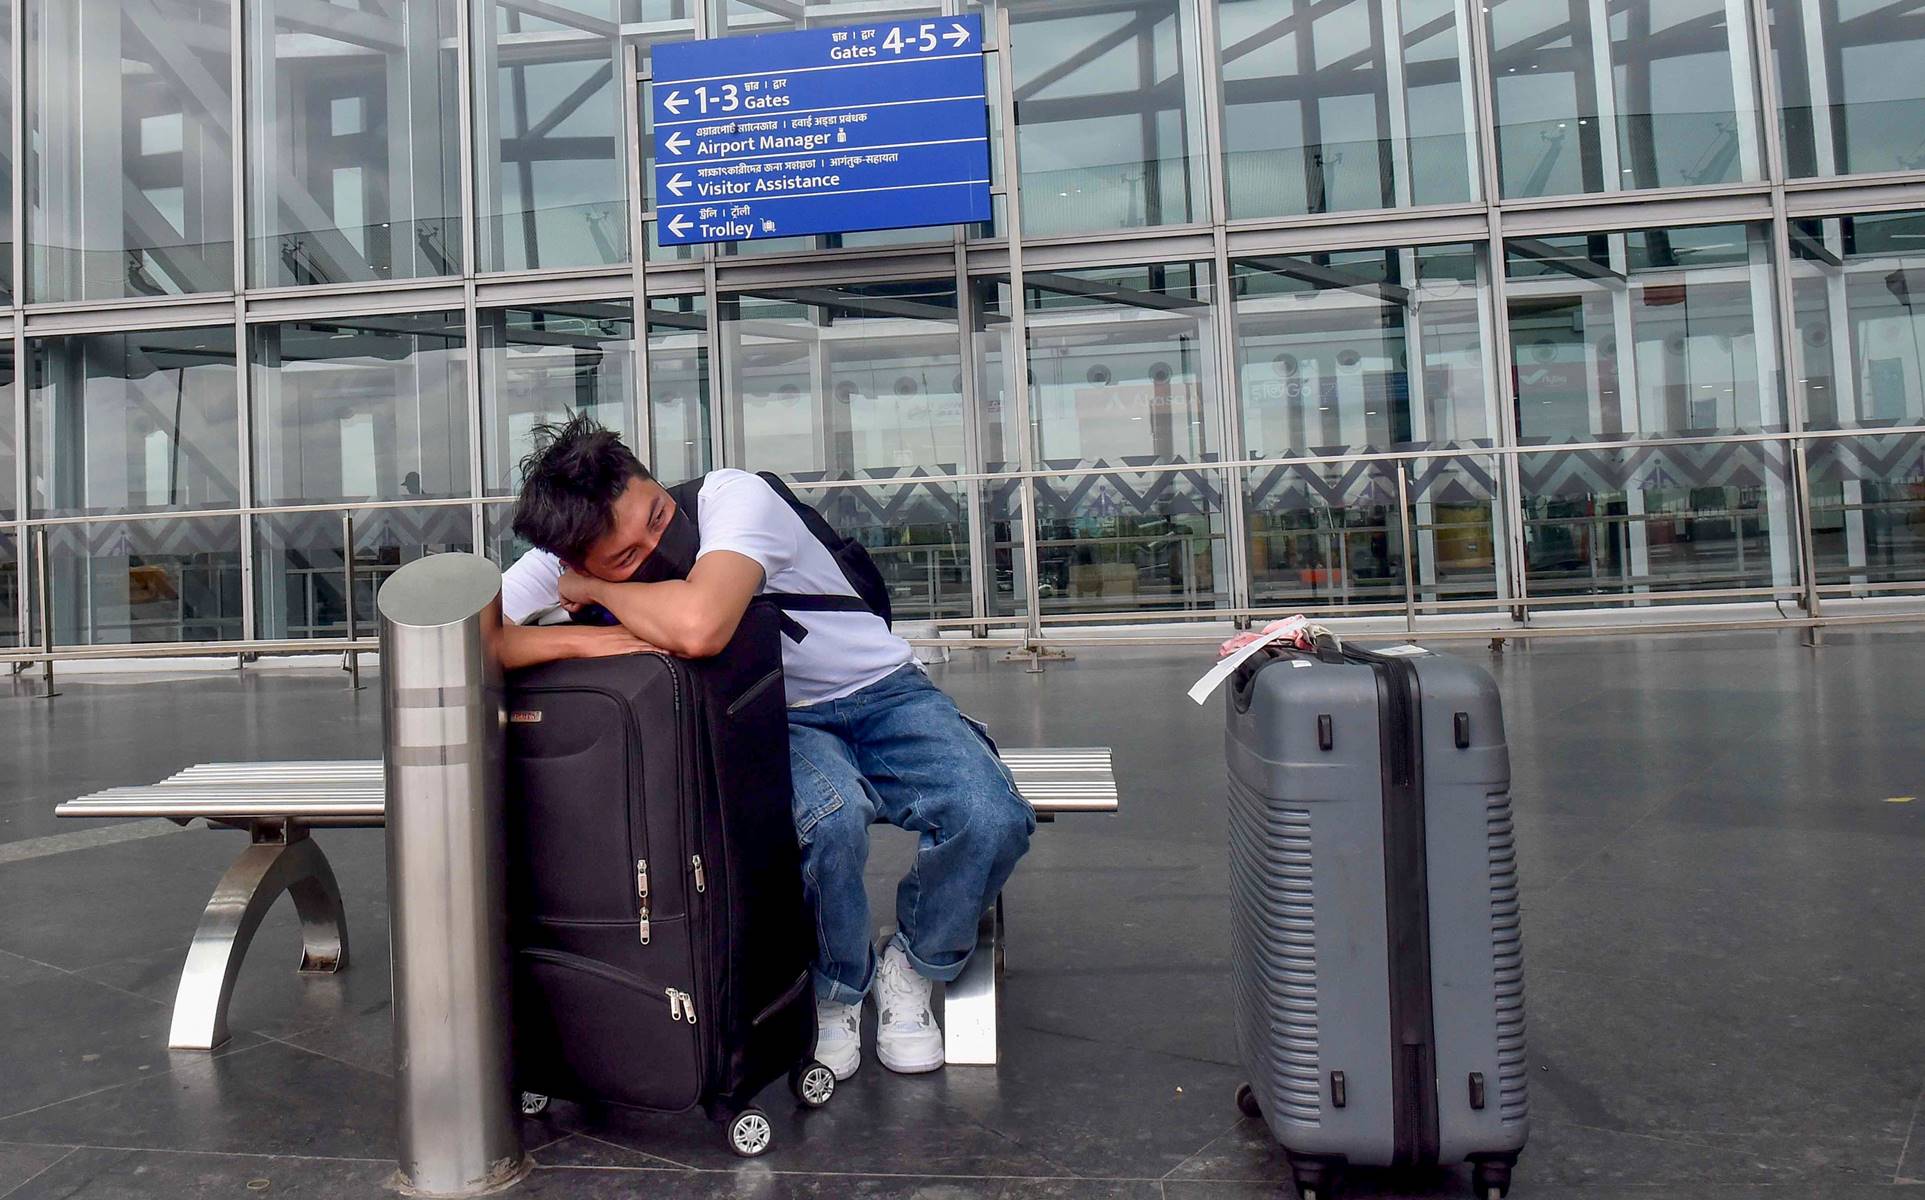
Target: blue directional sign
x,y
821,131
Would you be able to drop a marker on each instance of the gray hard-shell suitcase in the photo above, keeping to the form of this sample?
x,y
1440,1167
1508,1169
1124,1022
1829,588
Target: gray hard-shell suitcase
x,y
1375,947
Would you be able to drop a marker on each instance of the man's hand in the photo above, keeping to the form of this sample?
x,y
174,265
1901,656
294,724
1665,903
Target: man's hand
x,y
578,590
612,640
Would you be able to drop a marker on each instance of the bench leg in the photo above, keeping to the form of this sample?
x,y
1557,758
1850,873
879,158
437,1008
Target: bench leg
x,y
969,1002
279,860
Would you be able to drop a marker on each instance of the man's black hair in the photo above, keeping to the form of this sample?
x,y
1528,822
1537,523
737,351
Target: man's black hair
x,y
569,484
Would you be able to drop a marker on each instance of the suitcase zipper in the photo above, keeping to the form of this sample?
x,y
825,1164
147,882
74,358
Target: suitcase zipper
x,y
681,1005
641,896
701,880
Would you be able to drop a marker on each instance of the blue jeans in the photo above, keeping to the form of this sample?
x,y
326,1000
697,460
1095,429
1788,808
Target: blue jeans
x,y
900,750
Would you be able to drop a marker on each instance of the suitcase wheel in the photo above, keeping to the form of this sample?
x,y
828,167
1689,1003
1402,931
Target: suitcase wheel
x,y
813,1084
533,1104
1247,1103
1491,1179
749,1133
1316,1178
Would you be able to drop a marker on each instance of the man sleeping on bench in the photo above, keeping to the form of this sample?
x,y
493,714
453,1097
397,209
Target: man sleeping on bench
x,y
870,737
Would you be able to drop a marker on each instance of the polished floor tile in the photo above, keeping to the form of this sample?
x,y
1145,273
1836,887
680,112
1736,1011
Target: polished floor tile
x,y
1720,920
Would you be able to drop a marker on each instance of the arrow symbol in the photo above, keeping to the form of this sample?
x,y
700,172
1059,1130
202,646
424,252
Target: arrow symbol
x,y
677,184
677,142
957,35
675,103
678,225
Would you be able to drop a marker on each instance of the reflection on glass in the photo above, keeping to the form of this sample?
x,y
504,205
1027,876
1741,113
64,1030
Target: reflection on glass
x,y
1322,535
134,422
1331,534
1113,543
1120,362
1108,113
1869,272
1868,509
10,586
1852,96
1651,333
117,582
1347,105
130,186
545,365
549,135
845,382
1699,516
1661,96
1325,343
678,388
352,142
6,168
9,454
918,536
301,576
361,408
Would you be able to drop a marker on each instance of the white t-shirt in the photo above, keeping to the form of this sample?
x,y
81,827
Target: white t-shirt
x,y
844,652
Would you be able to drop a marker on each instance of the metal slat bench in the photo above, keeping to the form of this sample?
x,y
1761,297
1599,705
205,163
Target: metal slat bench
x,y
278,803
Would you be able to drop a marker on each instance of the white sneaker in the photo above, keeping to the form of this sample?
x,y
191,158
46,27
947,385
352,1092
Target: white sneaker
x,y
908,1040
838,1036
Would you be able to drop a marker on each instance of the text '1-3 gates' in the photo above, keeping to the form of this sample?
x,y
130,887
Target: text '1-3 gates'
x,y
821,131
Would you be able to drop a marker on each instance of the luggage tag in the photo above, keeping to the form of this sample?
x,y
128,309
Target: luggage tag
x,y
1212,679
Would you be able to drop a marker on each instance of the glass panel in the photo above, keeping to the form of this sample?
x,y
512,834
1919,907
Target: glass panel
x,y
1107,113
134,422
9,455
553,186
1868,509
129,114
678,388
352,142
1693,305
116,582
1347,105
1852,95
1113,543
919,537
6,164
362,408
547,364
300,573
10,586
1121,362
1657,95
845,382
1328,534
1455,539
1324,344
1656,519
1867,274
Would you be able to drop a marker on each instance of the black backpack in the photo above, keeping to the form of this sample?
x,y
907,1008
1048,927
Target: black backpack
x,y
871,593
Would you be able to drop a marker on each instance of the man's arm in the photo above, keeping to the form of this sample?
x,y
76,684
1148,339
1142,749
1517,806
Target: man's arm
x,y
528,645
693,617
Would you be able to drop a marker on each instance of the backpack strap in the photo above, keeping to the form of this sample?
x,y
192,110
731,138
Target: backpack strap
x,y
688,497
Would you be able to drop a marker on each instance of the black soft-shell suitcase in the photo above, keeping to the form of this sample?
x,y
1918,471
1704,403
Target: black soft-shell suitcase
x,y
661,943
1376,960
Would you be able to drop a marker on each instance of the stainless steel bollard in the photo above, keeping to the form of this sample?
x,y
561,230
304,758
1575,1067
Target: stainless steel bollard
x,y
441,706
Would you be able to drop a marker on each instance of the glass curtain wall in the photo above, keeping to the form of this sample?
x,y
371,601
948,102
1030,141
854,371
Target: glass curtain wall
x,y
1257,381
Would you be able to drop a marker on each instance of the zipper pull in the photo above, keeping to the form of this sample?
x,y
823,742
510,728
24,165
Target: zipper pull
x,y
674,1004
688,1007
701,880
641,896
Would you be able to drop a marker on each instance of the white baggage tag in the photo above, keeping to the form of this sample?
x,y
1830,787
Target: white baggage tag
x,y
1214,677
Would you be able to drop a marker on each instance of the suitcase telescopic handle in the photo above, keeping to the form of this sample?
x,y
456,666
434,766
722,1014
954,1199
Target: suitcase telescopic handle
x,y
1326,647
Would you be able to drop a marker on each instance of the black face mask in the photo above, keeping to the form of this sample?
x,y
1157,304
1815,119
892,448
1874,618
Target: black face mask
x,y
674,555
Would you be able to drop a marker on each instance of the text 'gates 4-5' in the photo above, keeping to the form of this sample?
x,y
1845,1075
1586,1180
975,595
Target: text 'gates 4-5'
x,y
858,127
